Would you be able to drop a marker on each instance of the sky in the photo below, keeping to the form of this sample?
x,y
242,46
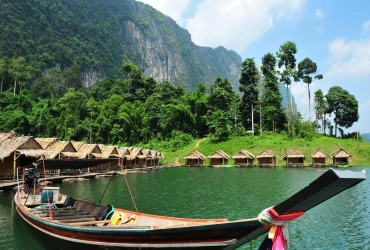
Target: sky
x,y
335,34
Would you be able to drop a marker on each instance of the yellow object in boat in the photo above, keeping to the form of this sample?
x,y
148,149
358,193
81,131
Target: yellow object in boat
x,y
117,218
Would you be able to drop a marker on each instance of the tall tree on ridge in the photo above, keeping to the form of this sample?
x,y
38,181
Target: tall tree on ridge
x,y
287,59
305,69
344,106
3,70
274,116
321,106
248,80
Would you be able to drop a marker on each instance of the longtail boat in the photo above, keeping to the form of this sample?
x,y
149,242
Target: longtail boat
x,y
74,221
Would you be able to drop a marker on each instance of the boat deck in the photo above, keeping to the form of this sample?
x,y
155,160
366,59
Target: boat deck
x,y
82,213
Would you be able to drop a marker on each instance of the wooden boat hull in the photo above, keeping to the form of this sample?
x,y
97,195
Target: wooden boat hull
x,y
151,231
214,235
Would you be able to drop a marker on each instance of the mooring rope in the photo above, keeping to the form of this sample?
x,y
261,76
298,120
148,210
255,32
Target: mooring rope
x,y
47,191
128,186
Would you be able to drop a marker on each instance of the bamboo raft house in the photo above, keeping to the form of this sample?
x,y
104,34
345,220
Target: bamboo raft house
x,y
340,157
127,159
266,158
148,157
294,158
243,158
138,156
195,158
154,161
218,157
18,151
318,158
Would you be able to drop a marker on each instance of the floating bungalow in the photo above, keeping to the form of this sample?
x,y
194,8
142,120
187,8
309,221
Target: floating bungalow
x,y
218,157
318,158
155,158
139,159
127,159
195,158
18,151
340,157
266,158
294,158
243,158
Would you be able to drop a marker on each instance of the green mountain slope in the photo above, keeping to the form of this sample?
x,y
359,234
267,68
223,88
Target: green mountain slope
x,y
100,35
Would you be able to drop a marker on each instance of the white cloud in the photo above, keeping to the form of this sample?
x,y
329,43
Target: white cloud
x,y
236,24
366,27
319,14
348,58
171,8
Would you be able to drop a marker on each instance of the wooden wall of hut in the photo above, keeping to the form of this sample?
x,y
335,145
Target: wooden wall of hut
x,y
340,161
218,161
266,161
194,162
6,167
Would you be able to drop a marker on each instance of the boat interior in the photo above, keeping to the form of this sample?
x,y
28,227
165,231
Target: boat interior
x,y
74,212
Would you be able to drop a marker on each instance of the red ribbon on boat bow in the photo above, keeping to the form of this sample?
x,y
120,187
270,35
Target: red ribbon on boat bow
x,y
278,226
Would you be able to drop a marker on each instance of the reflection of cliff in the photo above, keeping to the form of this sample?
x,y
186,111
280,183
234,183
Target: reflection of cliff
x,y
285,102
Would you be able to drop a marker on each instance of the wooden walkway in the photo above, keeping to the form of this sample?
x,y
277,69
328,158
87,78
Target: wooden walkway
x,y
10,184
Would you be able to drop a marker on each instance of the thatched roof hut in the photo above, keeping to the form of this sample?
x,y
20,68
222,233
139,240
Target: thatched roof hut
x,y
266,158
4,136
56,147
85,151
195,158
109,151
318,157
45,142
78,144
340,157
19,151
243,157
294,158
218,157
140,158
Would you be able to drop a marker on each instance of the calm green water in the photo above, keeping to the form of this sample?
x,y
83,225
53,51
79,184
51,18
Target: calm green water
x,y
340,223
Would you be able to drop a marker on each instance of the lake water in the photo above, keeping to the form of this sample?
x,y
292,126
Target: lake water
x,y
234,193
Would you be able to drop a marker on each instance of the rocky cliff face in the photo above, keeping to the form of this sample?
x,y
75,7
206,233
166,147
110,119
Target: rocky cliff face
x,y
164,51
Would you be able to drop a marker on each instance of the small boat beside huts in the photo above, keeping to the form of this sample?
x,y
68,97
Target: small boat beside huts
x,y
294,158
194,158
243,158
266,158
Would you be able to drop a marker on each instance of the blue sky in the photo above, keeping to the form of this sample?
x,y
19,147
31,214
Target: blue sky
x,y
333,33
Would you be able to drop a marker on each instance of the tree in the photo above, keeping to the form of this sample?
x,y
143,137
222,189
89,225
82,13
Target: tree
x,y
305,69
321,106
3,71
344,106
286,55
72,77
249,80
19,70
139,87
273,114
221,95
